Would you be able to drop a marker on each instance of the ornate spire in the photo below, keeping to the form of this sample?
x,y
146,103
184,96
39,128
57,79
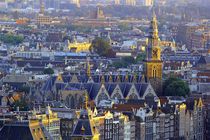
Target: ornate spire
x,y
59,78
143,79
153,38
134,78
126,78
118,78
82,130
86,101
200,103
153,33
110,78
74,40
102,79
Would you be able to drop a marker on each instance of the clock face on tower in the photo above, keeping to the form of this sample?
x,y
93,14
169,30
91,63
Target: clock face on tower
x,y
155,53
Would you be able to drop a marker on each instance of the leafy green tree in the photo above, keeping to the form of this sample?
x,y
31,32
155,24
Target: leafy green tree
x,y
78,28
124,27
175,87
48,71
101,47
11,38
128,60
118,65
124,62
140,57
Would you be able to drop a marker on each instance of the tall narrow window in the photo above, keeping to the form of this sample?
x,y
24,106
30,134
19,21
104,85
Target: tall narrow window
x,y
154,72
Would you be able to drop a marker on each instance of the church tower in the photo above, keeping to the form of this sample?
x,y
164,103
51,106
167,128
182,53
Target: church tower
x,y
42,8
153,62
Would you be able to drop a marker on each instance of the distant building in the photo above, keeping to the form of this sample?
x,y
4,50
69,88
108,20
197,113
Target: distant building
x,y
117,2
37,126
191,123
148,2
200,39
85,127
98,19
76,2
130,2
41,17
79,47
185,33
42,20
49,122
100,88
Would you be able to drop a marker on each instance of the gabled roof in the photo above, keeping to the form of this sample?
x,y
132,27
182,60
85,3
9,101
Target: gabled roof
x,y
93,88
83,126
202,60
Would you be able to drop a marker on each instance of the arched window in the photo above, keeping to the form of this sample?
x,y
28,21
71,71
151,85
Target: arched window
x,y
102,96
133,96
67,101
117,95
70,101
154,72
80,102
149,97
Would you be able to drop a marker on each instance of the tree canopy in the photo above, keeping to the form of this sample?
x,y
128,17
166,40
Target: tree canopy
x,y
48,71
175,87
101,47
141,57
11,39
124,62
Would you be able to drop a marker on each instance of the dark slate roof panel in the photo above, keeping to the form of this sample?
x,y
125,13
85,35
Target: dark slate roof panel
x,y
94,90
83,122
87,128
110,88
143,89
15,133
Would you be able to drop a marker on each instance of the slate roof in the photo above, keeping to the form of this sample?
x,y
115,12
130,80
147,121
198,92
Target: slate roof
x,y
83,123
93,88
16,78
15,132
38,63
96,79
202,60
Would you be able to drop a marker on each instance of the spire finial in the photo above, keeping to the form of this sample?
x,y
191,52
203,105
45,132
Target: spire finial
x,y
154,15
59,78
126,77
110,78
82,129
86,101
134,78
102,79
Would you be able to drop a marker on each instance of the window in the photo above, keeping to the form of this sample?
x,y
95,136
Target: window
x,y
102,96
70,101
117,95
133,96
154,72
